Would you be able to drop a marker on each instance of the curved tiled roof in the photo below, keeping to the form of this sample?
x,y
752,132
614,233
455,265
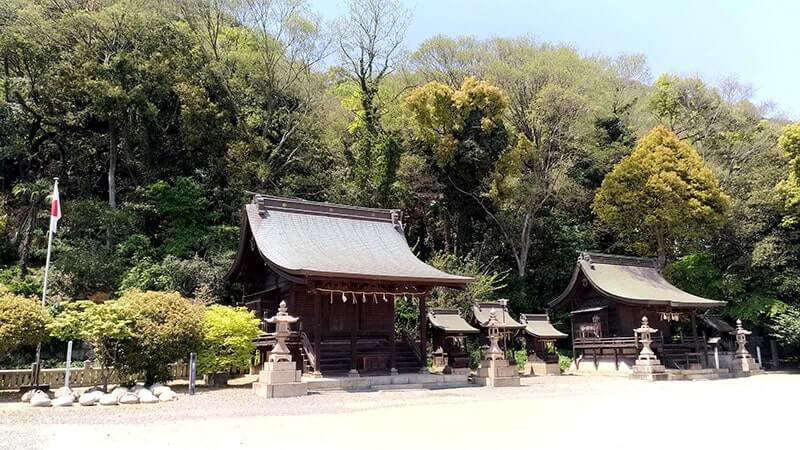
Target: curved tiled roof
x,y
631,280
538,325
481,312
450,321
327,240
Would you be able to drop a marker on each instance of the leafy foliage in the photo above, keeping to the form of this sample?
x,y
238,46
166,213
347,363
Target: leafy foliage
x,y
167,328
661,193
23,321
227,339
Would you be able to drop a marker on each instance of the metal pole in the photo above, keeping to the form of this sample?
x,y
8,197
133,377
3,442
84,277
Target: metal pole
x,y
69,363
716,356
37,370
192,372
758,355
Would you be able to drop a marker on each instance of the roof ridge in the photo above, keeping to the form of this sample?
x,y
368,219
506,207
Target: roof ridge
x,y
298,205
617,260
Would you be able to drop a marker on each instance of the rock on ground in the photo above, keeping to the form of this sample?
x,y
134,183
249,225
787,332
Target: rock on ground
x,y
40,399
158,389
89,399
109,400
64,400
145,396
167,396
129,399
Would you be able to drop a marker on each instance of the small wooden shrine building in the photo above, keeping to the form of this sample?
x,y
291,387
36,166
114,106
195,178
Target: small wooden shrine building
x,y
506,324
606,299
340,269
540,338
449,331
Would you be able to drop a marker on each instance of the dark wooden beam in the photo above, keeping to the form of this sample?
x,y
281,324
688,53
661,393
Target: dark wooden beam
x,y
354,337
423,330
392,344
317,331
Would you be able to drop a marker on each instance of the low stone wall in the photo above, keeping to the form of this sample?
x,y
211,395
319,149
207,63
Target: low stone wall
x,y
85,375
385,381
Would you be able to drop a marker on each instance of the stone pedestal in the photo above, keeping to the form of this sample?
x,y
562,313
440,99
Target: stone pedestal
x,y
743,364
279,379
537,366
649,369
497,373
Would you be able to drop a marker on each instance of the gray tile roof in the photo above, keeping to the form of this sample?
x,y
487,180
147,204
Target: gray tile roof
x,y
538,325
338,241
632,280
450,321
481,313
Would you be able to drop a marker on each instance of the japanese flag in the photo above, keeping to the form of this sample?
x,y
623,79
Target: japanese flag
x,y
55,208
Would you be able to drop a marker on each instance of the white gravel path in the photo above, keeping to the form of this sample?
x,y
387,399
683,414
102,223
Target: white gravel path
x,y
555,412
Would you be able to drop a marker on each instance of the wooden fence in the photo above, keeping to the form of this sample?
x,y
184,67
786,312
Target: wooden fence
x,y
78,376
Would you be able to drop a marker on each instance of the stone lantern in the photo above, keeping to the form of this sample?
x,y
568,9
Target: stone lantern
x,y
280,377
647,366
494,352
743,363
495,370
282,320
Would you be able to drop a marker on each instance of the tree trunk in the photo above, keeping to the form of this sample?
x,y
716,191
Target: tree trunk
x,y
113,149
661,250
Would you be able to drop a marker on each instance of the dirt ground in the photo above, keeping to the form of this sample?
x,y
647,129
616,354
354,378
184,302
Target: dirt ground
x,y
554,412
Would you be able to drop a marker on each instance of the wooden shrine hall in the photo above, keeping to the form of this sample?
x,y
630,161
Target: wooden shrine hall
x,y
340,269
606,299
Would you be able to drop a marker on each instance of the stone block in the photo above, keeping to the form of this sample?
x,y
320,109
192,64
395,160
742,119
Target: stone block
x,y
279,376
280,390
400,379
542,368
279,366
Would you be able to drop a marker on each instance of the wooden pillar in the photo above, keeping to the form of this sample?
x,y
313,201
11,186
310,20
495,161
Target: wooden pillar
x,y
694,333
317,332
354,338
392,344
423,332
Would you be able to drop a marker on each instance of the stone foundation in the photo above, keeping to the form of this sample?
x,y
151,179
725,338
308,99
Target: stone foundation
x,y
744,367
536,366
649,370
497,373
280,379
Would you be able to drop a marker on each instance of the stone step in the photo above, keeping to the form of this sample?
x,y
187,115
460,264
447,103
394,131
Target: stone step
x,y
394,387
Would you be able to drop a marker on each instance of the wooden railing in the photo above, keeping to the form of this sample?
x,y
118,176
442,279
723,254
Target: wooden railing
x,y
309,350
85,375
612,342
412,343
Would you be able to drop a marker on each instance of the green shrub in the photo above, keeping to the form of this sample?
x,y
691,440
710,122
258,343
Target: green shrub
x,y
521,357
23,321
107,327
564,361
167,328
28,285
227,339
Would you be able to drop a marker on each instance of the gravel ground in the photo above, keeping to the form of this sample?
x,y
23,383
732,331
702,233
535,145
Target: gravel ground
x,y
564,411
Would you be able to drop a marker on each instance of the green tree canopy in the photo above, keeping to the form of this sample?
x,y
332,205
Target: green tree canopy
x,y
661,196
227,339
23,321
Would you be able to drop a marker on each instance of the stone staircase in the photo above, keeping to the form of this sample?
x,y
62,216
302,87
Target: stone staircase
x,y
697,374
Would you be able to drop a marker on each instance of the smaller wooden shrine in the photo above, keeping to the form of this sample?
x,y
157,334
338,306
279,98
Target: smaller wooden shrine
x,y
507,327
449,331
540,338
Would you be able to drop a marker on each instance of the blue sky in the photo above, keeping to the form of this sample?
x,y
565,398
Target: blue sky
x,y
757,42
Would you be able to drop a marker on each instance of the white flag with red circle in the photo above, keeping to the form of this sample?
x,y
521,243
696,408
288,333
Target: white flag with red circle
x,y
55,209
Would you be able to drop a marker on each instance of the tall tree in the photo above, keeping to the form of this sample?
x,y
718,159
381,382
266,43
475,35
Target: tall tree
x,y
661,197
369,40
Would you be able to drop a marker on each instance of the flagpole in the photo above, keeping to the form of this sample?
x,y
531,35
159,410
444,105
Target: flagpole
x,y
50,233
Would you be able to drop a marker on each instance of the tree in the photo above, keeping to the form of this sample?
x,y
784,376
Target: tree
x,y
227,339
106,326
23,322
661,197
462,134
789,142
167,327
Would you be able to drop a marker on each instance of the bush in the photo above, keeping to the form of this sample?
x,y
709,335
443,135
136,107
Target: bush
x,y
564,361
28,285
167,327
23,321
227,339
106,326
